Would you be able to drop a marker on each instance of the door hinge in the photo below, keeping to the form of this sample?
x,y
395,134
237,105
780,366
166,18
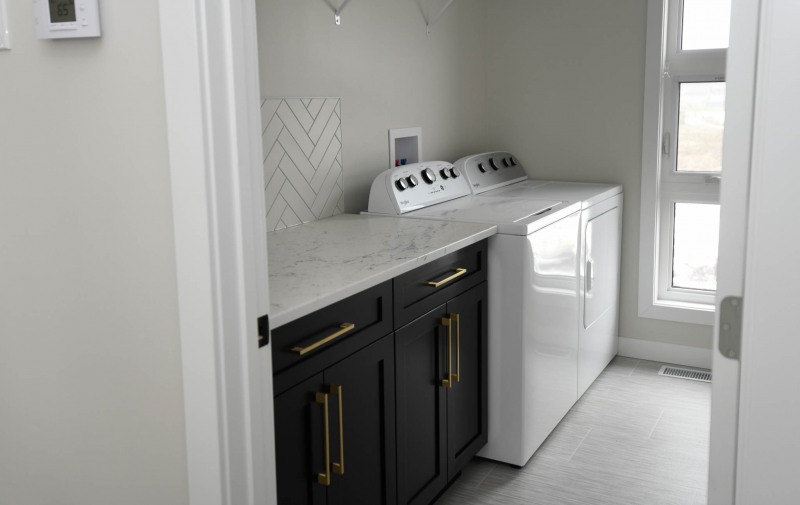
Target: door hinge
x,y
730,327
263,330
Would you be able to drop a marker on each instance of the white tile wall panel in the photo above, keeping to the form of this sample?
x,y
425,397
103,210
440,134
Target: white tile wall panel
x,y
303,173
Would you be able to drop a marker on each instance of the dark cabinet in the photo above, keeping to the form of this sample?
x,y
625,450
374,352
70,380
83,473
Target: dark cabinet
x,y
334,403
467,400
298,440
441,360
365,416
334,433
421,409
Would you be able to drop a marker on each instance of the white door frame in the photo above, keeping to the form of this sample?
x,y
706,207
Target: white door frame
x,y
210,59
769,406
755,408
734,191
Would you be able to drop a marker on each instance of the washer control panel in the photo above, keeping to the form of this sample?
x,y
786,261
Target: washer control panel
x,y
491,170
410,187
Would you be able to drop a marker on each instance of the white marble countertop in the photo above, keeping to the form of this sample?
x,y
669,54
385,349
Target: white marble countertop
x,y
319,263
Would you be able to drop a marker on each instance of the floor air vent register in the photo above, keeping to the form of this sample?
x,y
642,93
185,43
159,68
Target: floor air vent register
x,y
685,373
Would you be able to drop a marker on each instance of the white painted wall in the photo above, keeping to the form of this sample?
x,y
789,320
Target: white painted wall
x,y
90,369
565,89
389,73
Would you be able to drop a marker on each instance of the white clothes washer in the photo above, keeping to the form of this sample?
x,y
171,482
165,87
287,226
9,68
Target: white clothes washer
x,y
500,175
533,296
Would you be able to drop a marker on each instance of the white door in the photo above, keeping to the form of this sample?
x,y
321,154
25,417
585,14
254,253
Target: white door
x,y
755,405
220,247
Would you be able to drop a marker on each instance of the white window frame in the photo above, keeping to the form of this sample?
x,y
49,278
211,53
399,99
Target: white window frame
x,y
666,68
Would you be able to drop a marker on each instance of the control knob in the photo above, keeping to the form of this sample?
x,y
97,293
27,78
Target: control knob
x,y
454,172
481,168
505,163
444,173
428,176
493,164
513,161
401,184
412,181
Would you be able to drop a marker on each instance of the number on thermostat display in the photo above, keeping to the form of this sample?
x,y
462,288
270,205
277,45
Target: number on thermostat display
x,y
62,11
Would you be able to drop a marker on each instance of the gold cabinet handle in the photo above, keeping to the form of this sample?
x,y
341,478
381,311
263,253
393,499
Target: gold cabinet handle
x,y
325,477
459,273
457,375
338,468
448,382
344,328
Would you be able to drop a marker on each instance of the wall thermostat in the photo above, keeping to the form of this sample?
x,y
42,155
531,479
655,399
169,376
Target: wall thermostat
x,y
66,19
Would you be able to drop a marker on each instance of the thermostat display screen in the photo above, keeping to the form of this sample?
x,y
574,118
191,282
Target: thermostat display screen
x,y
62,11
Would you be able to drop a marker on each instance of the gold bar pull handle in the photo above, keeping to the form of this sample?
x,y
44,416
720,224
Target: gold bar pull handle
x,y
338,468
325,478
457,319
459,273
448,382
344,328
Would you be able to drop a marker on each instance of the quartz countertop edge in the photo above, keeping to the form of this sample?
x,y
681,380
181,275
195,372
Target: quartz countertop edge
x,y
316,264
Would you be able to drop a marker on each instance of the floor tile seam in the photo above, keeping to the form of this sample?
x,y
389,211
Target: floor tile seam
x,y
650,436
580,444
483,479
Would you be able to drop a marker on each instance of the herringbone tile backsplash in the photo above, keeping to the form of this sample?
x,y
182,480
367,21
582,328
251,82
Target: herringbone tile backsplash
x,y
303,159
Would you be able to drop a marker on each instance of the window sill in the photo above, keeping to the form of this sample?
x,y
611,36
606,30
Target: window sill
x,y
682,312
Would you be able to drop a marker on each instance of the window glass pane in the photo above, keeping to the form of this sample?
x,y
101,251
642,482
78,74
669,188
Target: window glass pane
x,y
695,243
706,24
701,118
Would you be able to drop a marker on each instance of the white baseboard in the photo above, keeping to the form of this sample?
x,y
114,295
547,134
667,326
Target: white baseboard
x,y
666,353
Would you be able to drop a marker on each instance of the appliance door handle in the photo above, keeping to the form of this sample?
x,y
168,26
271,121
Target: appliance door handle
x,y
589,275
338,468
459,273
325,477
344,328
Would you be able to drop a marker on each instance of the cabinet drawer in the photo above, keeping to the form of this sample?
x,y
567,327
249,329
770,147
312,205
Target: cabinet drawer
x,y
313,342
422,289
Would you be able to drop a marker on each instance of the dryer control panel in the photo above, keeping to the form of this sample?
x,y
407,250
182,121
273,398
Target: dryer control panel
x,y
411,187
491,170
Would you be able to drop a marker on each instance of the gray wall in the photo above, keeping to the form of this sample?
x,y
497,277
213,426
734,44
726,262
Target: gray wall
x,y
569,104
389,73
90,372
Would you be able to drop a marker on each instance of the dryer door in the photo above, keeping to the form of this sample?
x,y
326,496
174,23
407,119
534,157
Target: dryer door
x,y
602,265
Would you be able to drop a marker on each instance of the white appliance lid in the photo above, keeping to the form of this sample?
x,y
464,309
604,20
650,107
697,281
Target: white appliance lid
x,y
588,193
512,216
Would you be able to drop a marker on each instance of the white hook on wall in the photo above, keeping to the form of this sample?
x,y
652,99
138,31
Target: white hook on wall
x,y
337,15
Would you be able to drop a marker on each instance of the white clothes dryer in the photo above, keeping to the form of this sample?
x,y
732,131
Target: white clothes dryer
x,y
533,296
499,174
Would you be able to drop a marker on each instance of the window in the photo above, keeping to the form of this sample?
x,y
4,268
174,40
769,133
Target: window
x,y
682,158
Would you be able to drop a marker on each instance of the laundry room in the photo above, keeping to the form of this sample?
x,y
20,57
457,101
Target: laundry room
x,y
556,89
398,252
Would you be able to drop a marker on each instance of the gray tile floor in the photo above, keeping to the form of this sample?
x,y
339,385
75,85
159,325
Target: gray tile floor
x,y
634,438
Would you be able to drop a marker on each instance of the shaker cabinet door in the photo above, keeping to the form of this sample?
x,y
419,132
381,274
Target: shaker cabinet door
x,y
421,414
363,459
335,433
299,439
467,408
